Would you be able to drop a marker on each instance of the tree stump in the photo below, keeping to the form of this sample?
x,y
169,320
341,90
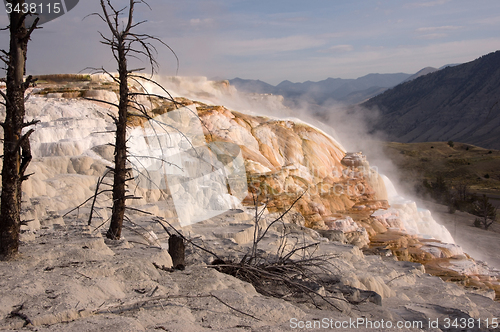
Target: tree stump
x,y
176,250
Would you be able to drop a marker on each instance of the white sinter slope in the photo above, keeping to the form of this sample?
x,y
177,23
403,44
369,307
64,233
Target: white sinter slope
x,y
70,152
415,220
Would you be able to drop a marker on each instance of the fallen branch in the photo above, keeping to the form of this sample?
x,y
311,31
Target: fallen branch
x,y
139,304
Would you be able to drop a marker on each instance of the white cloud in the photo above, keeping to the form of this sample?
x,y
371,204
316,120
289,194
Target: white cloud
x,y
197,22
493,20
441,28
428,3
274,43
437,32
270,45
408,59
433,36
338,49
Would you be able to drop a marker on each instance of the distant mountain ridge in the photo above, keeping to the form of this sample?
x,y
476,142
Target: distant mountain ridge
x,y
350,91
422,72
459,103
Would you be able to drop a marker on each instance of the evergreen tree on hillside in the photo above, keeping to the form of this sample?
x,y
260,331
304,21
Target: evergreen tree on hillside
x,y
485,211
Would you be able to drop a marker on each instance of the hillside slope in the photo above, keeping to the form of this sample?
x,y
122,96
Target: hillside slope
x,y
458,103
422,72
462,163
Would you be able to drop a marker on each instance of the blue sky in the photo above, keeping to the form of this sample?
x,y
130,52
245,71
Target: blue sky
x,y
275,40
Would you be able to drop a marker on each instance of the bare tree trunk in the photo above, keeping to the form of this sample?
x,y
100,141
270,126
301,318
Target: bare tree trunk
x,y
122,44
120,170
15,162
176,249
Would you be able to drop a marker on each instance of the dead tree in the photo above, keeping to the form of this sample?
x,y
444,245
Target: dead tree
x,y
124,44
16,145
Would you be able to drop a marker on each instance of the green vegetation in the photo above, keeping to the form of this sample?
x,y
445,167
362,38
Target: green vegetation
x,y
463,176
476,167
46,91
458,197
58,78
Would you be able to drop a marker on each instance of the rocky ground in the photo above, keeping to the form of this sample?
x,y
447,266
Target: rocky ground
x,y
69,278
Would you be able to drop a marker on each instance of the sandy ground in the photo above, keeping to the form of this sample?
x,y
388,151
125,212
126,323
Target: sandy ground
x,y
69,278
